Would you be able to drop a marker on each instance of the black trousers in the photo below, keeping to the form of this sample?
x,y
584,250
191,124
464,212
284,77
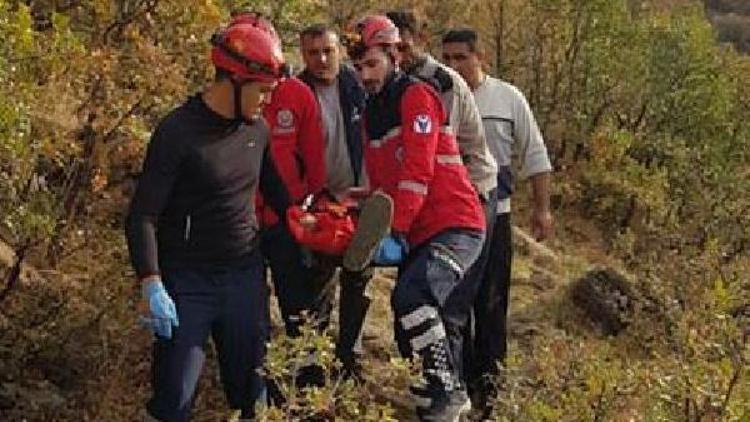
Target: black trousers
x,y
488,347
304,285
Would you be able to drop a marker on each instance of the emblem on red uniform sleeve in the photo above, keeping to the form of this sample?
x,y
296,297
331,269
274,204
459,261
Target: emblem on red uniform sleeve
x,y
285,119
422,124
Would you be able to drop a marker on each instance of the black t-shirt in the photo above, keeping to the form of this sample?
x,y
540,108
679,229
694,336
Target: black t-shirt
x,y
195,202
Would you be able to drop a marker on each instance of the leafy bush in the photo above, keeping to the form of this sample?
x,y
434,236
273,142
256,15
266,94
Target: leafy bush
x,y
338,398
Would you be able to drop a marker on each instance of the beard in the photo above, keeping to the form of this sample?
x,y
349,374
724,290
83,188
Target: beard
x,y
372,86
325,76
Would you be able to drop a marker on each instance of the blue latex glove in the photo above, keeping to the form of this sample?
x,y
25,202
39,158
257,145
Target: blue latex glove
x,y
162,308
392,250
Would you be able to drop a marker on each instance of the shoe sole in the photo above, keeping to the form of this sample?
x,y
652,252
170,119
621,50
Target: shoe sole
x,y
373,225
465,412
461,415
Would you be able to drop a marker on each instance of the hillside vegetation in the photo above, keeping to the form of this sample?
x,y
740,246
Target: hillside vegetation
x,y
647,118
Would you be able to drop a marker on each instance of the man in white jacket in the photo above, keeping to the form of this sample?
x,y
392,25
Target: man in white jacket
x,y
510,129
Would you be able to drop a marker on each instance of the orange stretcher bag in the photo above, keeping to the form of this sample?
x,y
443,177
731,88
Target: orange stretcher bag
x,y
323,224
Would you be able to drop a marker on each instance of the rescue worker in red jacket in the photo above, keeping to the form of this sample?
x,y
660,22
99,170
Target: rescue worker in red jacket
x,y
297,149
438,225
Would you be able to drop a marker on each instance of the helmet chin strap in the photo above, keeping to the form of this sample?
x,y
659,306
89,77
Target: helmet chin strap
x,y
238,116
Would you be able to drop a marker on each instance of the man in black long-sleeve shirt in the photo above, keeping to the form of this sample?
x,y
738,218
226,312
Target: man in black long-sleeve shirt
x,y
192,230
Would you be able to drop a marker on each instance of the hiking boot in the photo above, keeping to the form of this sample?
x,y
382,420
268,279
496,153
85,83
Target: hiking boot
x,y
483,396
373,225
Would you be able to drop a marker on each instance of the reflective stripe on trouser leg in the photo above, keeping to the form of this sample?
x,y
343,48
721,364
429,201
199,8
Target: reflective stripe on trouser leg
x,y
419,298
418,316
426,337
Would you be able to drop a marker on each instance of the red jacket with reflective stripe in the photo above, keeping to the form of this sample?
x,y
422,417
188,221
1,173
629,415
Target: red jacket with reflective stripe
x,y
297,143
416,160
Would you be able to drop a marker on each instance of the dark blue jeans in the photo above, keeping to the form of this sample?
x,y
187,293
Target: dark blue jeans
x,y
231,306
427,280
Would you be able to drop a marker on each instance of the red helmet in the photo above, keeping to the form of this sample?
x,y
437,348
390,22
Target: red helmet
x,y
249,49
371,31
377,30
256,20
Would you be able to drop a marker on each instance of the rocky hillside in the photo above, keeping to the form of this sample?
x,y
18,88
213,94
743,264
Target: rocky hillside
x,y
732,21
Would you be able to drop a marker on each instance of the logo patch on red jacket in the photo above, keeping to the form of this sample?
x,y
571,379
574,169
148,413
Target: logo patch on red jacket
x,y
285,119
422,124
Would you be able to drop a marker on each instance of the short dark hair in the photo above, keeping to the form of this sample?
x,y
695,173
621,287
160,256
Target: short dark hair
x,y
316,30
467,36
404,20
355,51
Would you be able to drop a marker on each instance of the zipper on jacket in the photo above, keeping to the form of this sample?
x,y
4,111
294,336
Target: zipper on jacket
x,y
187,228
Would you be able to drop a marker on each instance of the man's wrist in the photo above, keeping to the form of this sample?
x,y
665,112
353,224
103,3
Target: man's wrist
x,y
148,284
540,184
150,278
